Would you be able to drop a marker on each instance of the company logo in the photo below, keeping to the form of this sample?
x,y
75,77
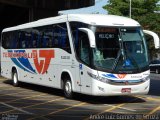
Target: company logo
x,y
41,59
121,76
42,65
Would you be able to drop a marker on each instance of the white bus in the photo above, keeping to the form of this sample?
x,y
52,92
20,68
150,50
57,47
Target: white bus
x,y
99,55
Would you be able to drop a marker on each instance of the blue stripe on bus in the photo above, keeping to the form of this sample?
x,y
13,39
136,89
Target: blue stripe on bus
x,y
22,62
19,65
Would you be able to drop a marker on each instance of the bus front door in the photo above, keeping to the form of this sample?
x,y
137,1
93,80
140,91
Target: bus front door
x,y
84,55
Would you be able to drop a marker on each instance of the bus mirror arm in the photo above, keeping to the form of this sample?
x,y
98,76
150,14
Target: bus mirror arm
x,y
91,36
155,38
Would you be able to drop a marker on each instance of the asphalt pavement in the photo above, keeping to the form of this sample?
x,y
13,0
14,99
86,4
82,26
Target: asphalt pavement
x,y
33,102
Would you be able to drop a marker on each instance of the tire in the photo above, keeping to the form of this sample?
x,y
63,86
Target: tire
x,y
68,89
157,71
15,78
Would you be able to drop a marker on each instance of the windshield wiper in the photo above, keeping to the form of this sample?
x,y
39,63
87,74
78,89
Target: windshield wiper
x,y
121,52
116,61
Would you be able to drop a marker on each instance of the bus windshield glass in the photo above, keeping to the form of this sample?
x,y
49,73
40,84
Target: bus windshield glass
x,y
120,50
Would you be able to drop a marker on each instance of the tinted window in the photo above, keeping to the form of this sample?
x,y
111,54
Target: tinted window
x,y
84,47
81,42
75,34
51,36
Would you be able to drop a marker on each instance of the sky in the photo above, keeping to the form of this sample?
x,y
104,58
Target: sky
x,y
97,8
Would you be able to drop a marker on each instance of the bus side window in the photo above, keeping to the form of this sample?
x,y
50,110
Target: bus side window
x,y
50,43
27,39
34,41
10,41
56,42
40,41
19,39
65,44
44,41
5,40
56,36
75,33
84,47
16,40
40,37
23,42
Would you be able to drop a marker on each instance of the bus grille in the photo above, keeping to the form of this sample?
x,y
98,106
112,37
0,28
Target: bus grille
x,y
125,82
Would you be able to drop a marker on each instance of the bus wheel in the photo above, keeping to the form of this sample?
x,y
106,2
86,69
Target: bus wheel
x,y
15,78
68,89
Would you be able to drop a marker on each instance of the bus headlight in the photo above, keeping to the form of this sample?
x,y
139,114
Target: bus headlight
x,y
146,78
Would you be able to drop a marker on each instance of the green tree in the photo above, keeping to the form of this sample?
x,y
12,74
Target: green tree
x,y
142,10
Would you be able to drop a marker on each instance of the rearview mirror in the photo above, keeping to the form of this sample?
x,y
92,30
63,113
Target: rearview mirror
x,y
91,36
155,38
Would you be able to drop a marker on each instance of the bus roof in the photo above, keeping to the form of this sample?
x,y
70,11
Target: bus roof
x,y
105,20
93,19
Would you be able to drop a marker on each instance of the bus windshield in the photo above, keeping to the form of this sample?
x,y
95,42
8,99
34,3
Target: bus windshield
x,y
120,50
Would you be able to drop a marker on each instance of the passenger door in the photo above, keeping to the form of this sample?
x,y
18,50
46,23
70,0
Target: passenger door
x,y
84,56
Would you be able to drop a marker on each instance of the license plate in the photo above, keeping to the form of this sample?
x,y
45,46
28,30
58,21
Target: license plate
x,y
126,90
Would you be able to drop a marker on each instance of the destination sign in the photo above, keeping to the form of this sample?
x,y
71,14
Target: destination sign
x,y
106,36
107,30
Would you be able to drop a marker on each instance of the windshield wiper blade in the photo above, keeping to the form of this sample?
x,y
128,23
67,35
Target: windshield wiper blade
x,y
116,61
121,52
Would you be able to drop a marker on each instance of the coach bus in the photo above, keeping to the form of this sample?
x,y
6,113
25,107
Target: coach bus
x,y
99,55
